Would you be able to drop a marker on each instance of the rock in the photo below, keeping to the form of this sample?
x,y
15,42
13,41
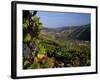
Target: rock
x,y
59,64
26,62
26,52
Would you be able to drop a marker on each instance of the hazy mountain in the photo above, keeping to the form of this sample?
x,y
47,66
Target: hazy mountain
x,y
70,32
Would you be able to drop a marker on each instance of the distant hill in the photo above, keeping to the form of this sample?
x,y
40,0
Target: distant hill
x,y
72,32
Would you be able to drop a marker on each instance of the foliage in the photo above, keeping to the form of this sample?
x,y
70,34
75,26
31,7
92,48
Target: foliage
x,y
49,52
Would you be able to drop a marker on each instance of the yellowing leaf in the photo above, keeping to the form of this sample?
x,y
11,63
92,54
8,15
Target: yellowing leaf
x,y
40,56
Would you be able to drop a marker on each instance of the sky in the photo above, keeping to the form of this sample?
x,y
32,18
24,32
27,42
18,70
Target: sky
x,y
62,19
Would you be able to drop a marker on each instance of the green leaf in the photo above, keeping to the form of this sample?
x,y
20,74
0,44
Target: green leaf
x,y
27,38
41,49
45,65
36,18
39,27
34,65
25,25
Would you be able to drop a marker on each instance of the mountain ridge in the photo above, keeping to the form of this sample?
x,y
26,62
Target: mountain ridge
x,y
82,32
